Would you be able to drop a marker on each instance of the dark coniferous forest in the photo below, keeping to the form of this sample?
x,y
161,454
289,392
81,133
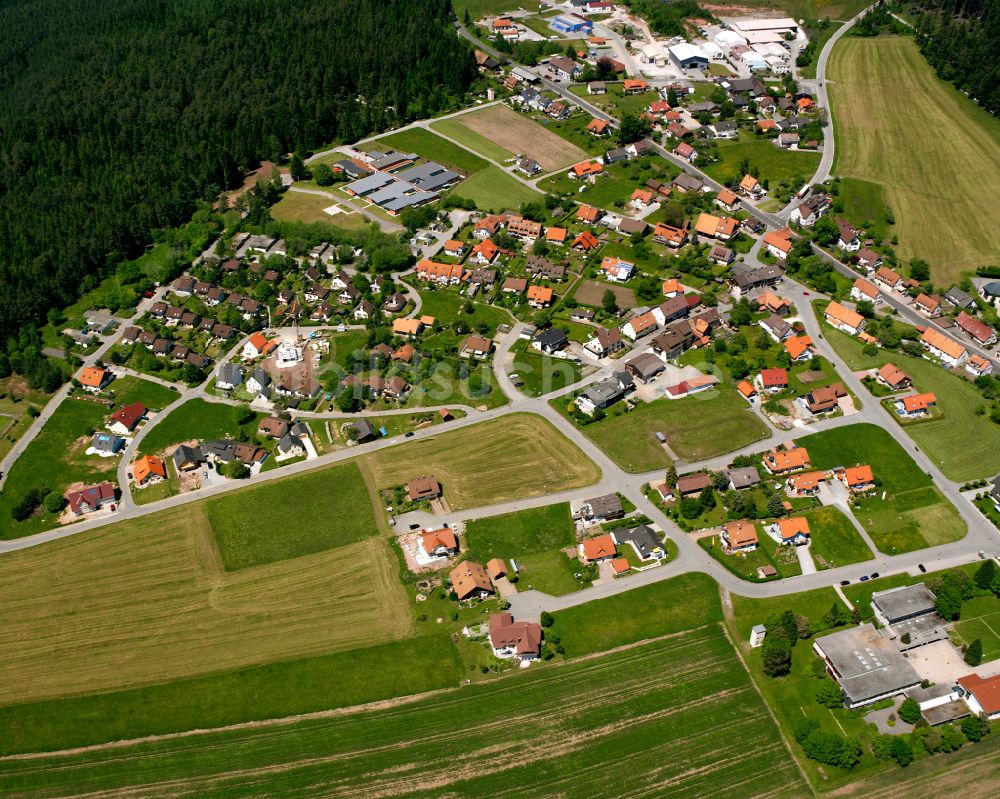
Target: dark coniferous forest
x,y
115,117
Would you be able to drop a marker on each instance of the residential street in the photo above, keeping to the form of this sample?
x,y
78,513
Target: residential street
x,y
981,536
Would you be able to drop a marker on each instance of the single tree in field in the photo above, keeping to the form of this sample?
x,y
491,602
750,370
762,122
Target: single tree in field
x,y
974,654
298,168
777,655
609,302
986,574
775,506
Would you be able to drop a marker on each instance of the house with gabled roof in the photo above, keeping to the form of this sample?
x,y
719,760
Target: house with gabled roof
x,y
977,365
850,322
126,418
915,405
947,350
94,379
91,498
779,242
148,470
865,290
515,639
739,536
470,581
793,531
887,280
790,458
772,380
978,329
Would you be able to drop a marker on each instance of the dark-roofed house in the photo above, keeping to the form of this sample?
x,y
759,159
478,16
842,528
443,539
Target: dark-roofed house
x,y
643,539
187,458
363,431
600,395
695,483
125,419
605,342
423,488
743,477
605,508
106,443
91,498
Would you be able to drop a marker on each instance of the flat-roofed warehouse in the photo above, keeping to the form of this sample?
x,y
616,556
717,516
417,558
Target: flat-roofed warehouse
x,y
899,604
866,665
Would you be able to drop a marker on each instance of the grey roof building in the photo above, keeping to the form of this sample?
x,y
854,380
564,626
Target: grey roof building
x,y
230,375
364,430
867,666
601,395
645,540
429,176
958,298
608,506
899,604
743,477
107,443
185,458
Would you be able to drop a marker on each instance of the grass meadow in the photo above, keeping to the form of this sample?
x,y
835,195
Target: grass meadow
x,y
884,84
515,457
196,419
696,428
914,514
290,518
493,189
547,732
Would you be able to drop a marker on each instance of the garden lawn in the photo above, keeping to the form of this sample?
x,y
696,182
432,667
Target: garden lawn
x,y
53,460
542,374
293,517
494,190
662,608
699,427
914,514
297,206
448,308
197,419
432,147
773,163
551,572
129,389
656,711
516,456
519,533
834,541
964,444
864,206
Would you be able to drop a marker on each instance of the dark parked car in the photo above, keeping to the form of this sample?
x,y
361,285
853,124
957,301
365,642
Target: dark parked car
x,y
874,575
864,578
845,582
409,435
923,569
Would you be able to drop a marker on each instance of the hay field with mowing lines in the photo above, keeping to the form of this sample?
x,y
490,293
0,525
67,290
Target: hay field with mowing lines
x,y
891,116
148,601
454,129
516,133
515,457
643,721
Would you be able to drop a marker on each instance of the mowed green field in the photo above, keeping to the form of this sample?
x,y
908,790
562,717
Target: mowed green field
x,y
981,619
147,600
892,117
297,206
696,428
432,147
965,445
264,524
517,456
914,514
774,163
196,419
535,538
833,540
657,717
492,189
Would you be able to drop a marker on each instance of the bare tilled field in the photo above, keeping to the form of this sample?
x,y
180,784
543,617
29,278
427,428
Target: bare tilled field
x,y
518,134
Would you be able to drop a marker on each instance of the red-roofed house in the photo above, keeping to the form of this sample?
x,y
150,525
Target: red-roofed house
x,y
857,478
976,328
515,639
981,694
916,404
772,380
126,418
91,498
600,548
